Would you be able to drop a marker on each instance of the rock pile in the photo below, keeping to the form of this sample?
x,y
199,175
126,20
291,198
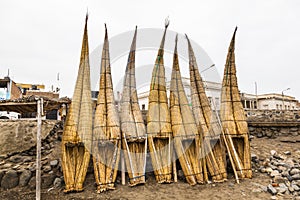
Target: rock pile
x,y
284,171
18,168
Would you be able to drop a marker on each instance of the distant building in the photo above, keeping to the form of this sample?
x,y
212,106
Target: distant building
x,y
9,89
37,90
212,89
270,101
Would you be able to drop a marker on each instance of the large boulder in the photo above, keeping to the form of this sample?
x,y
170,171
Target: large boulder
x,y
10,180
25,177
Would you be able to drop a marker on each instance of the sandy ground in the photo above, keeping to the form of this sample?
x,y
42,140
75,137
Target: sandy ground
x,y
247,189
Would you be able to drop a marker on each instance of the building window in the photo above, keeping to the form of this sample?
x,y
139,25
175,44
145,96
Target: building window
x,y
209,99
280,107
217,103
277,106
143,106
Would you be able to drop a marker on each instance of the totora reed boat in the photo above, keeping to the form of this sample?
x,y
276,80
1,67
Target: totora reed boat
x,y
187,140
76,139
213,151
159,130
134,138
233,117
107,133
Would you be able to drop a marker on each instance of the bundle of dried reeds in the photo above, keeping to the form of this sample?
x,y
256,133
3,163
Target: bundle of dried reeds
x,y
158,121
134,139
233,117
76,140
187,138
212,150
107,133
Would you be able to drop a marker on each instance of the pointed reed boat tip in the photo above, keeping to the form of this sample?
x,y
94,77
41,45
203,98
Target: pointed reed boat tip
x,y
167,22
186,36
176,38
235,30
105,30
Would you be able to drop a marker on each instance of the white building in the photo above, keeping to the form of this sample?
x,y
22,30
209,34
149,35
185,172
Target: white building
x,y
213,92
270,101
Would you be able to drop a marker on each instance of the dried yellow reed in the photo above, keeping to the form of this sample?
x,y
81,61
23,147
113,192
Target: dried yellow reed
x,y
76,140
187,140
107,133
212,157
233,117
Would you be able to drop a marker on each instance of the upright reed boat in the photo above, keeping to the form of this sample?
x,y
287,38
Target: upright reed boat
x,y
159,130
134,138
213,152
233,117
76,139
107,133
187,140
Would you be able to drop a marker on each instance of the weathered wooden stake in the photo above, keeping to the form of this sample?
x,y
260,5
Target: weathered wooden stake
x,y
38,148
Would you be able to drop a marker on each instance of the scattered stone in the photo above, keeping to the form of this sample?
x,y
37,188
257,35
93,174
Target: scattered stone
x,y
27,159
47,181
25,177
53,163
285,173
57,182
290,178
296,177
294,171
282,188
16,159
7,165
273,197
275,173
257,190
259,135
271,189
279,179
16,167
10,180
273,152
295,187
2,172
277,156
269,170
291,189
47,168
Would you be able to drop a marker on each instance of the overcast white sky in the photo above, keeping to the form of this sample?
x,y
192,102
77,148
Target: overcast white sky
x,y
38,39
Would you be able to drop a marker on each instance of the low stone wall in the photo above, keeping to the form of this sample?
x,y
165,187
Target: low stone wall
x,y
18,167
273,123
267,131
273,115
